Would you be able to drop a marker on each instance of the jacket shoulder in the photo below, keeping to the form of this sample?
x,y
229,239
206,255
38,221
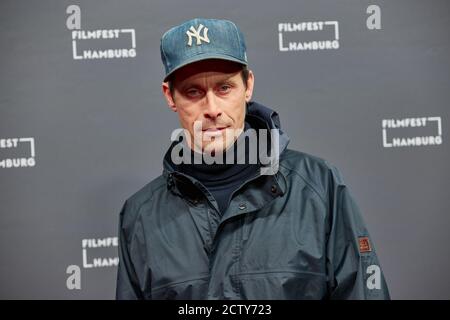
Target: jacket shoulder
x,y
131,208
316,172
145,194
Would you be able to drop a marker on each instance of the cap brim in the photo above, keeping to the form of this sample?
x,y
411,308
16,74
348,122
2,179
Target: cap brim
x,y
205,56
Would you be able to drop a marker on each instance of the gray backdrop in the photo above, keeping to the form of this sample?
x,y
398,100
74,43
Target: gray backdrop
x,y
79,136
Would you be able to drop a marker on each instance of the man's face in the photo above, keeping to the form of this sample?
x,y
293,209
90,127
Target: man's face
x,y
212,94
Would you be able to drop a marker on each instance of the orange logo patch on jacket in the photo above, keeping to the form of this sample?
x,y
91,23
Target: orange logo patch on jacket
x,y
364,245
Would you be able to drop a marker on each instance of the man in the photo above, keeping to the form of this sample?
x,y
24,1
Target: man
x,y
282,227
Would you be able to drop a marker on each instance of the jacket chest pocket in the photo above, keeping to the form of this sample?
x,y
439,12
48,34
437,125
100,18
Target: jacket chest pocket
x,y
271,243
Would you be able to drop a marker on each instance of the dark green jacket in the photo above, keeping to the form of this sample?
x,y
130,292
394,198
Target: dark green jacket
x,y
296,234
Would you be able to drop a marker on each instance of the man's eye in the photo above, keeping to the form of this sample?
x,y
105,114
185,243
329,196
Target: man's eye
x,y
224,88
193,92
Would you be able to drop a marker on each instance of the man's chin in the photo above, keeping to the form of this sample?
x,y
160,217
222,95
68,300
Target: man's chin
x,y
215,148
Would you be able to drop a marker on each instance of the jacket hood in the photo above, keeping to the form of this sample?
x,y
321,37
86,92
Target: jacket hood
x,y
269,119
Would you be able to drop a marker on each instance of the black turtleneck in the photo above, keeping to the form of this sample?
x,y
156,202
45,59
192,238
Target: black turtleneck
x,y
222,180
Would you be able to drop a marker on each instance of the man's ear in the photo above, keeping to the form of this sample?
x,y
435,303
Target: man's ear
x,y
168,96
250,85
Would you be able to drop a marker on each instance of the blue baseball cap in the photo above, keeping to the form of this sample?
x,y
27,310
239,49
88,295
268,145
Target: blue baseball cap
x,y
200,39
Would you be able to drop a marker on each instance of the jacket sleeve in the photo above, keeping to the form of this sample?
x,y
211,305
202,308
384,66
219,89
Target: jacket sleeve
x,y
127,287
353,269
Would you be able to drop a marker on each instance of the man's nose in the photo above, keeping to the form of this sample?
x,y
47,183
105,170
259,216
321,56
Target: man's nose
x,y
212,109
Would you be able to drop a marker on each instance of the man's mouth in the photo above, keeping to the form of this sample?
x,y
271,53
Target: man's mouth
x,y
214,130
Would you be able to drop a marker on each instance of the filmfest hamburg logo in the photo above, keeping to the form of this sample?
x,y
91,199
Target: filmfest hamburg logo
x,y
84,36
8,161
288,29
304,36
410,132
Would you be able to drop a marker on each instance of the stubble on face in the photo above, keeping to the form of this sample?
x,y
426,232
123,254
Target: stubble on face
x,y
210,98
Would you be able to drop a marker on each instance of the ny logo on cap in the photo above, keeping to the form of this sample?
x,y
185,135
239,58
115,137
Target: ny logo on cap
x,y
196,33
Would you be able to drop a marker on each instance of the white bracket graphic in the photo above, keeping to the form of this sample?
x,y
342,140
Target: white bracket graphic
x,y
31,141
